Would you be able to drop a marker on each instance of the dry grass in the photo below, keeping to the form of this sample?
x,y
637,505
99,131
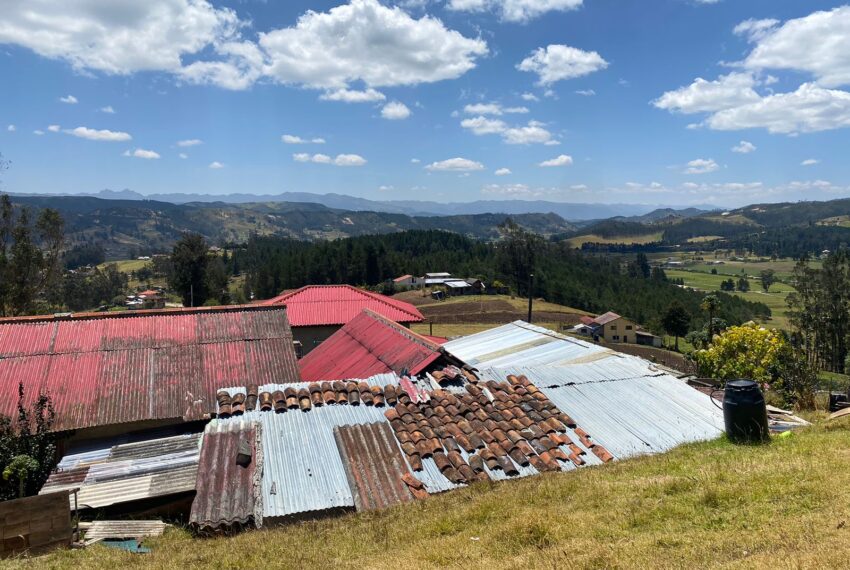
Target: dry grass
x,y
704,505
578,241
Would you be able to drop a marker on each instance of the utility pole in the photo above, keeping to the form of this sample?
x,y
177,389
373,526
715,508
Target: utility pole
x,y
191,295
530,294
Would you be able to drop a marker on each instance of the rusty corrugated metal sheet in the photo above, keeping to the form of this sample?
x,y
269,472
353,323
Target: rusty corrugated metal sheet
x,y
369,344
229,495
373,464
102,368
316,305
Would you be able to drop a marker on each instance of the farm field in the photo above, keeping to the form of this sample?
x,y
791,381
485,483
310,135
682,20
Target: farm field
x,y
578,241
775,300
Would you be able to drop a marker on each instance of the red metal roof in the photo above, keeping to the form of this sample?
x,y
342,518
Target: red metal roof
x,y
228,493
316,305
108,368
369,344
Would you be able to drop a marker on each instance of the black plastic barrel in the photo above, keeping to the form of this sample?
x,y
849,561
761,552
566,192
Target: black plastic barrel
x,y
744,412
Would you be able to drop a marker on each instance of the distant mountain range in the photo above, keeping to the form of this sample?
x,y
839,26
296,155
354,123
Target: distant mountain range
x,y
572,212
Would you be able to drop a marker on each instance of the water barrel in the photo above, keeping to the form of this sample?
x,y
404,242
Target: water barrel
x,y
744,412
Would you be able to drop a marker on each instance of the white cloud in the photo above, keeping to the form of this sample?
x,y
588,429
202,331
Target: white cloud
x,y
701,95
11,128
810,162
362,41
189,142
415,161
353,96
701,166
394,111
556,62
69,99
142,153
815,44
294,139
100,135
340,160
533,133
108,110
484,126
54,128
513,190
386,188
216,165
514,10
586,92
455,165
183,155
529,97
503,172
561,160
744,147
38,132
365,41
808,109
492,109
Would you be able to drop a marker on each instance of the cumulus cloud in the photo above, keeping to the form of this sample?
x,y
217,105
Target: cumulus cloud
x,y
415,161
502,172
557,62
38,132
142,153
11,128
561,160
701,95
394,111
100,135
457,164
54,128
514,10
492,109
813,45
69,99
532,133
216,165
586,92
108,110
366,41
810,162
353,96
744,147
701,166
362,41
529,97
294,139
339,160
189,142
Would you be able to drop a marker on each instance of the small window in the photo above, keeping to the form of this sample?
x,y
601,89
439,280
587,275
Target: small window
x,y
613,327
615,337
628,327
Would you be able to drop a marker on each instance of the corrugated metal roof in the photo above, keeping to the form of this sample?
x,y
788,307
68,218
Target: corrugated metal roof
x,y
369,344
316,305
112,474
606,318
629,408
521,344
374,465
228,492
108,368
303,470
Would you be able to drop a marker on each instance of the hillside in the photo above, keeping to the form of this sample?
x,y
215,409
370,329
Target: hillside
x,y
125,226
704,505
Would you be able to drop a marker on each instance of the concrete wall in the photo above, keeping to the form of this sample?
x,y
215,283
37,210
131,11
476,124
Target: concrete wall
x,y
311,337
621,330
35,524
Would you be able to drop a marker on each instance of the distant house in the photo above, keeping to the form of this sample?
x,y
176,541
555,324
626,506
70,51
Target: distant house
x,y
613,328
432,279
317,311
409,281
151,299
478,286
457,287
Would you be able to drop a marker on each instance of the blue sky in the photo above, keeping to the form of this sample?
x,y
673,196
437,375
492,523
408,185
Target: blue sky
x,y
673,102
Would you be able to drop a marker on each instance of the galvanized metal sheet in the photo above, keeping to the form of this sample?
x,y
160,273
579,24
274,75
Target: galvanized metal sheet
x,y
520,344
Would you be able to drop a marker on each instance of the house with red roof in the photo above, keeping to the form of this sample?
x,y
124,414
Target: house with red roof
x,y
317,311
367,345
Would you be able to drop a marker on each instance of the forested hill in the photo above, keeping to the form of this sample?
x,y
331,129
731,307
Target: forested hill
x,y
562,274
125,227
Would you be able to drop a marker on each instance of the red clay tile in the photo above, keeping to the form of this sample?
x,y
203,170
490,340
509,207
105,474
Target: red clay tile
x,y
518,456
476,462
602,453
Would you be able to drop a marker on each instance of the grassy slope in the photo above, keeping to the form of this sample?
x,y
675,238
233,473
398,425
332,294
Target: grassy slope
x,y
591,238
703,505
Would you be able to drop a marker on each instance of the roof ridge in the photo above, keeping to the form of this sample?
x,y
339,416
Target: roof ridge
x,y
83,316
404,331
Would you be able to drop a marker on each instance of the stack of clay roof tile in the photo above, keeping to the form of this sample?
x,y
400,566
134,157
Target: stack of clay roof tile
x,y
503,426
